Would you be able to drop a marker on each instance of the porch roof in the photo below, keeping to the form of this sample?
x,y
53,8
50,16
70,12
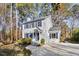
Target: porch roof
x,y
37,29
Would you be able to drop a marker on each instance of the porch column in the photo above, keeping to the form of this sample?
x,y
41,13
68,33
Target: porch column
x,y
33,35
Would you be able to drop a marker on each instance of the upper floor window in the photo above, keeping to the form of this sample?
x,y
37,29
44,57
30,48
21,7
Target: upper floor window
x,y
33,24
29,25
39,23
25,26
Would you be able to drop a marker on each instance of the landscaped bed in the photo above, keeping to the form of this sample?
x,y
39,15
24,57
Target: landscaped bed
x,y
14,50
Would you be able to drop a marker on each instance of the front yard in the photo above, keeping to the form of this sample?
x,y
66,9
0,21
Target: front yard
x,y
13,50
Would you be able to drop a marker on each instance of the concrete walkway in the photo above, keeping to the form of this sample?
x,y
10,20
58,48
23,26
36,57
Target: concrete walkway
x,y
55,49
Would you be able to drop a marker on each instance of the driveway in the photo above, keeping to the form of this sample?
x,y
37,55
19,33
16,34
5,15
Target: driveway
x,y
55,49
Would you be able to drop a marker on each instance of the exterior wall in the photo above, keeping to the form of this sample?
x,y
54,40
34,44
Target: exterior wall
x,y
46,25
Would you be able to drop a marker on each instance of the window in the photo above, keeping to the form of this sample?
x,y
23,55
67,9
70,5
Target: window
x,y
39,23
53,35
50,35
33,25
28,35
56,35
29,25
26,26
36,24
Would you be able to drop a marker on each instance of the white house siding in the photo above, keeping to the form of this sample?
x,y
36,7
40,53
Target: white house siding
x,y
30,30
46,26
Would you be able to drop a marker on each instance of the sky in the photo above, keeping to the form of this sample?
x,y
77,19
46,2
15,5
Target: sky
x,y
69,22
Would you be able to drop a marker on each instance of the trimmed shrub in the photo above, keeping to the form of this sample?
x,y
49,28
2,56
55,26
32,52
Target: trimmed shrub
x,y
42,41
24,41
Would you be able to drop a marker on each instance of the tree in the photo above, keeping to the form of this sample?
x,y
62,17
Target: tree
x,y
8,23
4,21
59,13
75,36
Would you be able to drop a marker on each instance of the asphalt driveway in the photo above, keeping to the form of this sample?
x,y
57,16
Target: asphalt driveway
x,y
55,49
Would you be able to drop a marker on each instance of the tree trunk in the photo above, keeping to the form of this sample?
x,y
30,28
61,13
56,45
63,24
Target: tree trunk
x,y
16,23
11,24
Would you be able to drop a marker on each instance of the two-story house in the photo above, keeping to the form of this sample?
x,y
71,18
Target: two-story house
x,y
41,28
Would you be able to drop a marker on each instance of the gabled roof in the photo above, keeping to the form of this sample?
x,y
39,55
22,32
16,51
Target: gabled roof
x,y
37,19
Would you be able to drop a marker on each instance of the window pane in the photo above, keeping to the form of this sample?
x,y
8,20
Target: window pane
x,y
53,35
26,25
56,35
50,35
30,25
35,24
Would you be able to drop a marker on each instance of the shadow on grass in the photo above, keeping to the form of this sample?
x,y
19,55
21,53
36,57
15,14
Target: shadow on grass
x,y
12,52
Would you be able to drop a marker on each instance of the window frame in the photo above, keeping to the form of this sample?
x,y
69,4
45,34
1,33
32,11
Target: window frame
x,y
53,35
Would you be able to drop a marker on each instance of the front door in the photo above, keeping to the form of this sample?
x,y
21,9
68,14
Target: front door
x,y
36,36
